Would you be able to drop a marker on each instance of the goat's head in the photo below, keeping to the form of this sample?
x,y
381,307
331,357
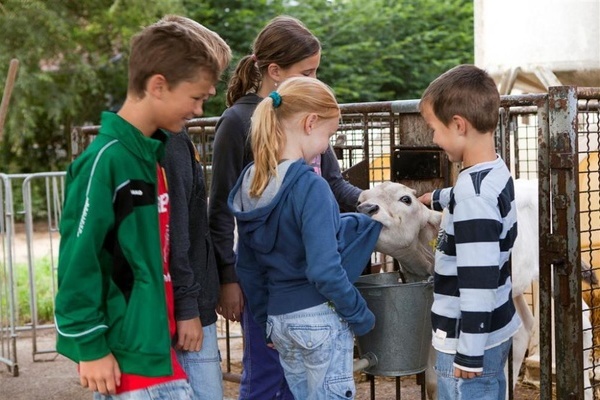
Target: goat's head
x,y
409,227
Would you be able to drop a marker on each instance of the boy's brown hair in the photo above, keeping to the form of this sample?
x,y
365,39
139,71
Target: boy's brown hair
x,y
213,41
175,47
467,91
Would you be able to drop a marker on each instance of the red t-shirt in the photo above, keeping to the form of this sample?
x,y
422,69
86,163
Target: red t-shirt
x,y
131,382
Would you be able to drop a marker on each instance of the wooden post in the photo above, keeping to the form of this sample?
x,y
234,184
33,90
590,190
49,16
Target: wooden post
x,y
8,87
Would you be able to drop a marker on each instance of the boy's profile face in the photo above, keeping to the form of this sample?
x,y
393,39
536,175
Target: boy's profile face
x,y
449,138
183,101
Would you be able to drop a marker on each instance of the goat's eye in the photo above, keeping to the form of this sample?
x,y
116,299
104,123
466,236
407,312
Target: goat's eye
x,y
406,200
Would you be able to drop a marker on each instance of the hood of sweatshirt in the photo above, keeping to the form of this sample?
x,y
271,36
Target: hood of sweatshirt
x,y
258,218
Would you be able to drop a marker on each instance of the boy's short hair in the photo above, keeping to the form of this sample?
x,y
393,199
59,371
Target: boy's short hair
x,y
213,41
467,91
174,47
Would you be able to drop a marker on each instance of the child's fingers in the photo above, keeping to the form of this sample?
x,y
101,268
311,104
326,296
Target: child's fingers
x,y
92,385
110,385
117,374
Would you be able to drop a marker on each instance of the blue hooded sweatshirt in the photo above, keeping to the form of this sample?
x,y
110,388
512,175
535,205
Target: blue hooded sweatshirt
x,y
295,249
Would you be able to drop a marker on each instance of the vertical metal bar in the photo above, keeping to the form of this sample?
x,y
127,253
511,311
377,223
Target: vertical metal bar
x,y
504,136
365,121
545,272
11,359
565,236
30,258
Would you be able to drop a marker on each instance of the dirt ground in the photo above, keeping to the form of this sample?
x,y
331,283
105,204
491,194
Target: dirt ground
x,y
56,378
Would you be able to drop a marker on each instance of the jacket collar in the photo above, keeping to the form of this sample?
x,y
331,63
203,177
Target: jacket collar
x,y
147,148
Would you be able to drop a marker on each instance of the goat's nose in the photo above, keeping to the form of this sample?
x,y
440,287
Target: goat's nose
x,y
367,208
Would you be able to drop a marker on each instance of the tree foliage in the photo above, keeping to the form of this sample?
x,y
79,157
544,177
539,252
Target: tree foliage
x,y
73,56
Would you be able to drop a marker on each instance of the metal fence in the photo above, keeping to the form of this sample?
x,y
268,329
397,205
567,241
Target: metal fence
x,y
28,271
553,137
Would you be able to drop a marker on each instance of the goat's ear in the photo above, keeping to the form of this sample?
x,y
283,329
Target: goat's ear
x,y
435,219
431,228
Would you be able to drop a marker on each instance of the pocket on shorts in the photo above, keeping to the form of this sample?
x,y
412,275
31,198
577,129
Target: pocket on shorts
x,y
310,337
314,340
341,388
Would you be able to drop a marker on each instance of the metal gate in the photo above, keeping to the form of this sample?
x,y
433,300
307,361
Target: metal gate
x,y
23,199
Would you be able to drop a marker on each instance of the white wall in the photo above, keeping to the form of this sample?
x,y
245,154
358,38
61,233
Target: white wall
x,y
561,35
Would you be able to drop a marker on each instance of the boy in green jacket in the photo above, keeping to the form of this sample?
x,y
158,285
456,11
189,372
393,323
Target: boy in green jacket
x,y
114,306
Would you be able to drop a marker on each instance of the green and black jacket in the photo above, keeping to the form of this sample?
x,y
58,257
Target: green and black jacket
x,y
111,293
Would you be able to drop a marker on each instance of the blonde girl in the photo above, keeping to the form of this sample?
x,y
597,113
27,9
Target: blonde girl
x,y
297,256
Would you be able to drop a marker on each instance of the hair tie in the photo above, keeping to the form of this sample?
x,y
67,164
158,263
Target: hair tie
x,y
276,99
253,56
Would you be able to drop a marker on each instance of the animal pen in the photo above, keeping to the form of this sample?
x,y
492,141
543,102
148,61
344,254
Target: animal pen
x,y
553,137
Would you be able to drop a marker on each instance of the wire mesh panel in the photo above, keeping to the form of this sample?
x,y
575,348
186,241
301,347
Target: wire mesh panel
x,y
524,130
589,216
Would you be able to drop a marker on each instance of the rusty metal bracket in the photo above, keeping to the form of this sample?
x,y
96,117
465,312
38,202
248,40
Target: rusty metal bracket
x,y
553,243
561,161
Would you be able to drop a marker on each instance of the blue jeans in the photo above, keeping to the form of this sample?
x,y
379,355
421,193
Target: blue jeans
x,y
174,390
491,385
203,367
262,375
316,352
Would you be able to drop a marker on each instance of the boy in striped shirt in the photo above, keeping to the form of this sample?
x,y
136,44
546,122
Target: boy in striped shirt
x,y
473,315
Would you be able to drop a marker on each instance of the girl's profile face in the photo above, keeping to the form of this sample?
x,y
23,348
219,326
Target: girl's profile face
x,y
306,67
318,138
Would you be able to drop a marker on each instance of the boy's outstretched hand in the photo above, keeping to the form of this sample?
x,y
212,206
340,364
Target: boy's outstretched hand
x,y
425,199
102,375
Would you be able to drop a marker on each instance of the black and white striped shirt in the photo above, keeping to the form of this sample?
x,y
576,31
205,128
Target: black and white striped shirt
x,y
473,308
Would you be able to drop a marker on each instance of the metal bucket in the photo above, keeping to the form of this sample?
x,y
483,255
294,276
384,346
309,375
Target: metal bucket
x,y
401,339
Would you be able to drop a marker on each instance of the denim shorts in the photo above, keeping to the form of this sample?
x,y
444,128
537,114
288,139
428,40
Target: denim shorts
x,y
203,367
316,352
174,390
491,385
